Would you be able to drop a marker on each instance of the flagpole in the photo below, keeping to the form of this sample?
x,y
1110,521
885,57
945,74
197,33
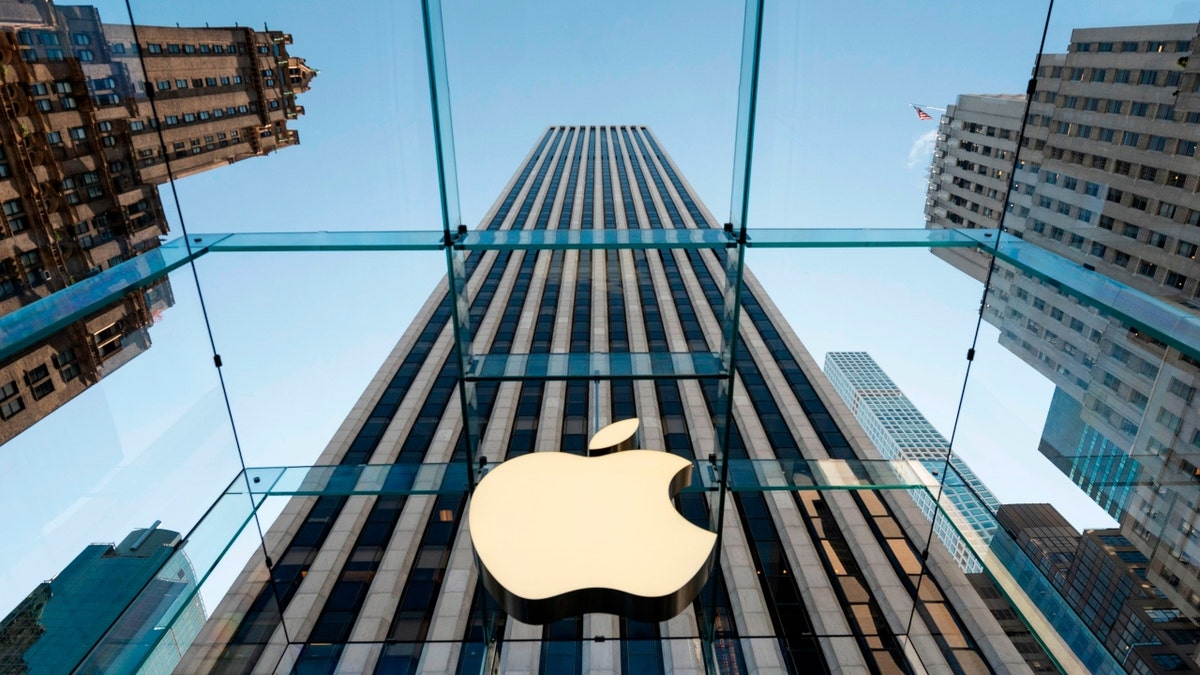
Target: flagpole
x,y
927,107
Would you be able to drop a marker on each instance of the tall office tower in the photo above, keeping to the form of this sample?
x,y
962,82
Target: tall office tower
x,y
1108,180
386,584
1103,578
83,147
55,627
900,431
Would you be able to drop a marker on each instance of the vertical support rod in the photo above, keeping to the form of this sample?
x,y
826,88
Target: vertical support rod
x,y
735,264
452,228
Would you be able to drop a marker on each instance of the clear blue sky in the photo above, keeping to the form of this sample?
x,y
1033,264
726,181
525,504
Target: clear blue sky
x,y
301,334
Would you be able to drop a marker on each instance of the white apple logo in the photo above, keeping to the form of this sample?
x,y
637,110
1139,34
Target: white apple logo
x,y
560,535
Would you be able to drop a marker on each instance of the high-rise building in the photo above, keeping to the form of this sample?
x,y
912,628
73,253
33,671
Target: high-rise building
x,y
1108,179
1103,578
808,580
92,121
122,590
900,431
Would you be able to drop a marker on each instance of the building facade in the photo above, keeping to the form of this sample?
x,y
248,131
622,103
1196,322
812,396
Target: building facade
x,y
808,581
1103,578
900,431
1108,179
92,121
124,588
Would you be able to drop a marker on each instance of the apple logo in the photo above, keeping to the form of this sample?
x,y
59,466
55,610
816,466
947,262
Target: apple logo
x,y
558,535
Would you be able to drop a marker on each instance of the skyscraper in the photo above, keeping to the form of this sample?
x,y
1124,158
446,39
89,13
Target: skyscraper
x,y
92,120
1108,179
808,580
125,588
900,431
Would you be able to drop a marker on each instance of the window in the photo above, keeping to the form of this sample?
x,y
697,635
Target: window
x,y
11,407
78,133
1107,222
154,48
163,85
1166,210
173,49
1157,143
1147,269
1139,109
81,39
55,55
1106,135
225,81
237,79
181,84
44,105
1122,76
1169,420
117,48
210,81
1148,77
1130,231
1175,280
1138,202
137,125
171,120
1098,249
1129,46
1091,189
1104,47
85,55
1176,179
54,138
1186,249
1166,111
189,117
1148,173
1157,240
1130,138
1187,148
189,49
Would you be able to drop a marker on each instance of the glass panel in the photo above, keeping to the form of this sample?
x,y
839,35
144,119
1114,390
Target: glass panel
x,y
123,413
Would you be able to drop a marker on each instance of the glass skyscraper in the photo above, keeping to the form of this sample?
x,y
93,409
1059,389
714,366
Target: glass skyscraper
x,y
900,431
125,593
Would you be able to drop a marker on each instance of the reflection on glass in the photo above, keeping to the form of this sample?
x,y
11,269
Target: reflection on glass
x,y
123,590
92,122
1105,177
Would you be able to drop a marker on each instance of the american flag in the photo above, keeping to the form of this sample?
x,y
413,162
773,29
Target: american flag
x,y
922,115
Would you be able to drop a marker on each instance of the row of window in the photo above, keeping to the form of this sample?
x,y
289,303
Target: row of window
x,y
171,48
1152,174
1162,78
196,82
1133,139
972,127
1151,47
